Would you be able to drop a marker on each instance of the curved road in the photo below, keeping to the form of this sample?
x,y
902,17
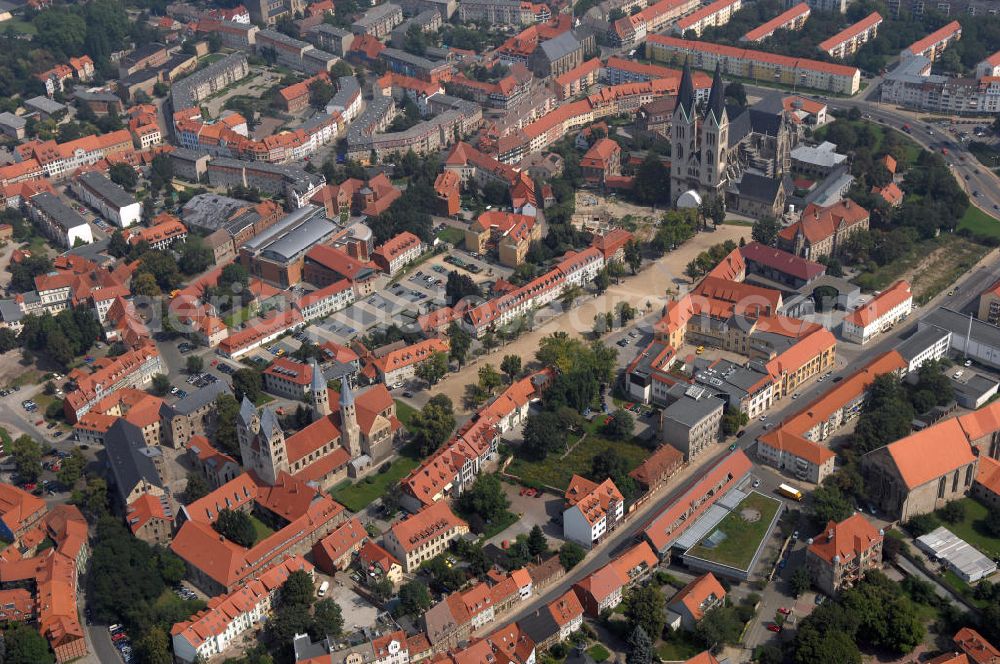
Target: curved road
x,y
971,174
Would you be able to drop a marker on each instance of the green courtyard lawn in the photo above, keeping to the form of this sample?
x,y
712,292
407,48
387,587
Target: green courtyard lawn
x,y
973,528
361,494
743,538
261,529
980,223
451,235
404,412
598,653
556,470
679,646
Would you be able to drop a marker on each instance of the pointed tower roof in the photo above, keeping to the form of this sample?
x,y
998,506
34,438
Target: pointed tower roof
x,y
269,421
247,411
318,379
685,94
717,97
346,395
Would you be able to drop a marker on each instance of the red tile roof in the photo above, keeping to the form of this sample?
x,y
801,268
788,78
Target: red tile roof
x,y
783,261
18,507
921,45
846,540
926,455
411,533
767,29
818,223
973,644
675,518
851,31
347,537
886,301
143,510
756,56
693,596
988,474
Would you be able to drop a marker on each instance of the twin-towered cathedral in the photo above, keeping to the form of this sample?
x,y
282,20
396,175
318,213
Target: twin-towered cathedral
x,y
740,154
339,441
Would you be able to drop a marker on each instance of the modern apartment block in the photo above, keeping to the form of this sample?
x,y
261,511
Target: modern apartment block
x,y
847,42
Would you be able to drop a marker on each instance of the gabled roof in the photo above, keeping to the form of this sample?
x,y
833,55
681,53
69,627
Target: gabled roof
x,y
921,45
929,454
695,595
413,532
975,645
18,506
818,223
346,537
845,541
884,302
988,474
782,261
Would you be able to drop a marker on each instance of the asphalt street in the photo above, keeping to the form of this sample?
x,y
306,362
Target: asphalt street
x,y
971,174
966,293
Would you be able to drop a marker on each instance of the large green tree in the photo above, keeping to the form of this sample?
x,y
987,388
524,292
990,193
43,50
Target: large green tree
x,y
235,526
486,499
24,644
433,368
645,607
433,424
27,456
414,598
248,383
543,433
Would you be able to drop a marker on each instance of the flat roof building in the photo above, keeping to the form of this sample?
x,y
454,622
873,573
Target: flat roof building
x,y
277,255
60,222
108,198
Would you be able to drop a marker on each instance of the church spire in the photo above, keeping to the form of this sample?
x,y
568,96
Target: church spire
x,y
346,395
685,94
320,395
717,97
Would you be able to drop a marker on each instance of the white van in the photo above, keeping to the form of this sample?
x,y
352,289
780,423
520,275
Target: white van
x,y
323,587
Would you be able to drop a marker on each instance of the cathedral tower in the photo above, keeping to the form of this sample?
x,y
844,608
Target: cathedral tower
x,y
684,137
350,432
715,137
320,394
262,442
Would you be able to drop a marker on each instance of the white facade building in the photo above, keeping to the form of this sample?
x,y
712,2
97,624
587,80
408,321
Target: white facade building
x,y
880,314
113,202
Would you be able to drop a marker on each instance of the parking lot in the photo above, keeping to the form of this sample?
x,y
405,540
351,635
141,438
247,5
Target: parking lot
x,y
122,643
400,303
533,508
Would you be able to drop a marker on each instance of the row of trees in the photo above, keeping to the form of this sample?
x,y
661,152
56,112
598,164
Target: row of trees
x,y
299,612
708,259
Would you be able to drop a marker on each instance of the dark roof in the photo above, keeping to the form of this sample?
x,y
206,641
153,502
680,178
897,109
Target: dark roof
x,y
739,124
759,187
782,261
130,459
685,94
540,625
717,97
764,121
560,46
202,396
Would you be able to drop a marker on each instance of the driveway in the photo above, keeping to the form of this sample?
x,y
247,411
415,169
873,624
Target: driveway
x,y
533,510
